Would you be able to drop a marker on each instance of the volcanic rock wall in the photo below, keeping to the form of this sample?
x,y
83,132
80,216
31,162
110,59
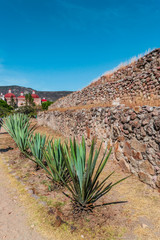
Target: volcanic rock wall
x,y
138,81
135,135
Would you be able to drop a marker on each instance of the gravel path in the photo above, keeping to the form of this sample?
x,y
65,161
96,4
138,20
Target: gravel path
x,y
13,220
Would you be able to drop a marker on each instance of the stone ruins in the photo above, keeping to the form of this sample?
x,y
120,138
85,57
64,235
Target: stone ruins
x,y
133,130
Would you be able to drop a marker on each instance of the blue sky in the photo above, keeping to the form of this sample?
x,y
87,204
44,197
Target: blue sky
x,y
65,44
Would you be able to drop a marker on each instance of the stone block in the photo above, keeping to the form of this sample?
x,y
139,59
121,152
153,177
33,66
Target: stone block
x,y
147,167
145,121
146,178
133,116
124,165
138,146
127,149
135,123
156,124
158,181
136,155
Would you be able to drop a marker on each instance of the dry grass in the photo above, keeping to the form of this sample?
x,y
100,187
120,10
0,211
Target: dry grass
x,y
127,102
120,67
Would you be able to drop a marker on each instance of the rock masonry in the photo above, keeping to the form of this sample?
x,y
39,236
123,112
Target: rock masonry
x,y
133,133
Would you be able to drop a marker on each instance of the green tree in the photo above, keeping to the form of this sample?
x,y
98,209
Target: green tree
x,y
5,109
45,105
12,102
29,100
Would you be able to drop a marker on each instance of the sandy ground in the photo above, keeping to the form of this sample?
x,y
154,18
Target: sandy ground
x,y
13,220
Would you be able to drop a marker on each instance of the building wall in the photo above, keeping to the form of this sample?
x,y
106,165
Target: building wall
x,y
20,102
8,100
37,101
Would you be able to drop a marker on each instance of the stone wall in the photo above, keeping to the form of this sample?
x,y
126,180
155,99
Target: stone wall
x,y
139,81
135,135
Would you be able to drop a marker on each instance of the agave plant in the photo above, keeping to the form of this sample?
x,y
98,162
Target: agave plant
x,y
36,146
18,126
54,158
86,187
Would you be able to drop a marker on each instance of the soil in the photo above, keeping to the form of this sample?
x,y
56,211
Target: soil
x,y
50,212
13,219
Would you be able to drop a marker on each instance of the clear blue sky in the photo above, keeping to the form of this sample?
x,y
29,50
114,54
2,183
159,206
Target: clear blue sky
x,y
65,44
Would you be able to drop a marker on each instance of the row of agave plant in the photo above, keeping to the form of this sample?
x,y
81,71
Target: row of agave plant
x,y
66,164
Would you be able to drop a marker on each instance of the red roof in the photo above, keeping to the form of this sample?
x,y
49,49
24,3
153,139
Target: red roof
x,y
34,95
21,97
44,100
9,95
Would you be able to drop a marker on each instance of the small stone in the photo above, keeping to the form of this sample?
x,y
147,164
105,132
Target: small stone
x,y
125,119
145,121
144,226
133,116
143,133
158,181
126,132
137,155
135,123
155,113
149,130
156,124
149,109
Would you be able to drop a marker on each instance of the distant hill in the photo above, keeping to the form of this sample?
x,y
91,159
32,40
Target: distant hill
x,y
49,95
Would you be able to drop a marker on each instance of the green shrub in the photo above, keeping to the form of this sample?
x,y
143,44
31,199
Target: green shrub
x,y
45,105
29,110
5,109
18,126
86,187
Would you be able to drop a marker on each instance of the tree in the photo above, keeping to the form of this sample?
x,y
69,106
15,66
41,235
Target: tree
x,y
45,105
12,102
29,100
5,109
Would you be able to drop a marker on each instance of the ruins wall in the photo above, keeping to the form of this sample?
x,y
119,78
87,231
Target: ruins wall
x,y
134,134
135,83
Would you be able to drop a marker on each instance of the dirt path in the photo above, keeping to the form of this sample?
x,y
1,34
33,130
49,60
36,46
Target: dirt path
x,y
13,220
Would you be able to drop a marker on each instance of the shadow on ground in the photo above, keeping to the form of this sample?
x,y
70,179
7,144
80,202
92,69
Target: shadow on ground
x,y
3,150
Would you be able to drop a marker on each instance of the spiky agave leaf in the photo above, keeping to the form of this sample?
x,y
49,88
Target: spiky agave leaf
x,y
55,157
18,126
37,146
86,188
